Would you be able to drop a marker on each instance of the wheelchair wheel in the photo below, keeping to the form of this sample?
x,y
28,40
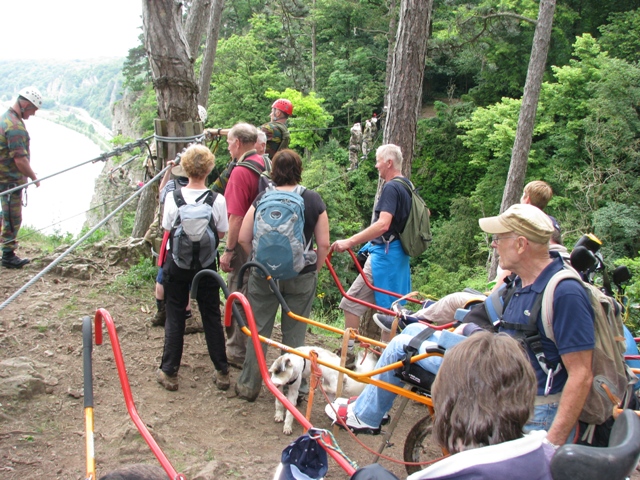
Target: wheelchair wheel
x,y
419,445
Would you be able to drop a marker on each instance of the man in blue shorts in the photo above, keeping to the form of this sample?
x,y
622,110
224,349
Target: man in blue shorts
x,y
387,266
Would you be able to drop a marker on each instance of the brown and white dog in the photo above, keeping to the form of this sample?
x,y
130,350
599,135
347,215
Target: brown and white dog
x,y
290,369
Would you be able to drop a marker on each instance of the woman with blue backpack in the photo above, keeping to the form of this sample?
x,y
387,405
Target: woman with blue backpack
x,y
278,231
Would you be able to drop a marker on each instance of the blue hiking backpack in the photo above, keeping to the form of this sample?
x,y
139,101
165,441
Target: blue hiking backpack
x,y
278,234
194,236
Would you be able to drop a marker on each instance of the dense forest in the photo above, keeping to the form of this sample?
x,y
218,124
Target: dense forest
x,y
330,58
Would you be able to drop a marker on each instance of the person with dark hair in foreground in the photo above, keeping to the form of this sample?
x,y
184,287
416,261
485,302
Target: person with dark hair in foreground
x,y
480,412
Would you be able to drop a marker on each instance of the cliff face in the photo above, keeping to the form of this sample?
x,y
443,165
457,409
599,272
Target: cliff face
x,y
122,122
116,183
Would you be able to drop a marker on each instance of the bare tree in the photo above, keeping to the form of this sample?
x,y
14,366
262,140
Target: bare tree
x,y
174,83
393,29
407,73
171,67
526,121
209,55
196,24
532,86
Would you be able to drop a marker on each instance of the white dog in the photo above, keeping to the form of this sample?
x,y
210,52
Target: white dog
x,y
289,369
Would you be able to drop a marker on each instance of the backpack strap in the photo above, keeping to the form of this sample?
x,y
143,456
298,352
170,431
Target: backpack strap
x,y
178,197
411,349
254,165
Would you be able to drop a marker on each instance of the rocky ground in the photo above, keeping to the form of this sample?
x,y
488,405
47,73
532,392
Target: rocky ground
x,y
205,433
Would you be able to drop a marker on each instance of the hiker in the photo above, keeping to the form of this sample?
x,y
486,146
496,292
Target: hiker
x,y
167,185
240,193
299,290
197,162
537,193
261,143
276,129
521,238
15,168
480,413
355,146
387,266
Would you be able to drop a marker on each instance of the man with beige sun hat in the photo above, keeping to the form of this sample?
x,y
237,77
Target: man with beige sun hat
x,y
521,239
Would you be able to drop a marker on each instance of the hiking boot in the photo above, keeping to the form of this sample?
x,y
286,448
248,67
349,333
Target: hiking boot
x,y
170,382
160,317
235,362
244,393
350,362
344,408
222,380
193,325
188,315
11,260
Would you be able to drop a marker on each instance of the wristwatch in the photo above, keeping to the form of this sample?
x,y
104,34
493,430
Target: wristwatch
x,y
230,250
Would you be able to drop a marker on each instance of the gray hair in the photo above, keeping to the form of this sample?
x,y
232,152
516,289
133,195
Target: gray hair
x,y
262,137
246,133
391,152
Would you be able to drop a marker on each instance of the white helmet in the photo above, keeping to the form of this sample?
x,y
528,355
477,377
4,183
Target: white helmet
x,y
202,113
33,95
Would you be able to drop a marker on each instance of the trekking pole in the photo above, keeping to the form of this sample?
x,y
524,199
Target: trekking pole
x,y
87,347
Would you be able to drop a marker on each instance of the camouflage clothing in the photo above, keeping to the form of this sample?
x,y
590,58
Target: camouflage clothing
x,y
14,140
11,217
277,137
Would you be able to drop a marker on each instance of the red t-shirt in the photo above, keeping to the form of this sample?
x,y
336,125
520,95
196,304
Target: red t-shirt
x,y
242,188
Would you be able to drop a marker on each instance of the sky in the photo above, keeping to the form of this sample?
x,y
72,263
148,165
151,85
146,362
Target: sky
x,y
69,29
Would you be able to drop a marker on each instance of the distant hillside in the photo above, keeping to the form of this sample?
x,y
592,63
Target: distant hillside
x,y
93,85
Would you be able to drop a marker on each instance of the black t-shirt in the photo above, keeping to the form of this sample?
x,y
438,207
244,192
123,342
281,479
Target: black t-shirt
x,y
396,200
313,207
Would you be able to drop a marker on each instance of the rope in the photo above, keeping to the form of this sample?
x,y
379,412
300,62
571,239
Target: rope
x,y
82,239
319,435
193,138
118,167
103,157
343,423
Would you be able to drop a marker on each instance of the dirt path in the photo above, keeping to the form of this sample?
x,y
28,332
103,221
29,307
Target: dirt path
x,y
205,433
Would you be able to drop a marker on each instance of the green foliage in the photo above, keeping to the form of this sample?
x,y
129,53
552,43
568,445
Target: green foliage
x,y
620,37
441,168
97,236
135,69
632,291
145,110
143,274
309,118
46,242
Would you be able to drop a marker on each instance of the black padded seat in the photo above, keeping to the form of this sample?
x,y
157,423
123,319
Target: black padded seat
x,y
615,462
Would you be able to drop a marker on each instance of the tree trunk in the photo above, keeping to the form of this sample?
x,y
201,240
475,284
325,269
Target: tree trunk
x,y
313,50
526,121
171,67
196,24
145,211
393,29
208,58
407,73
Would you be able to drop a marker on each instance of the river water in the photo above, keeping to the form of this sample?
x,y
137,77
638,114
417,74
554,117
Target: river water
x,y
60,203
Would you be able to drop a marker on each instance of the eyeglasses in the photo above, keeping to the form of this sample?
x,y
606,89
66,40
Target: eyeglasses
x,y
496,239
